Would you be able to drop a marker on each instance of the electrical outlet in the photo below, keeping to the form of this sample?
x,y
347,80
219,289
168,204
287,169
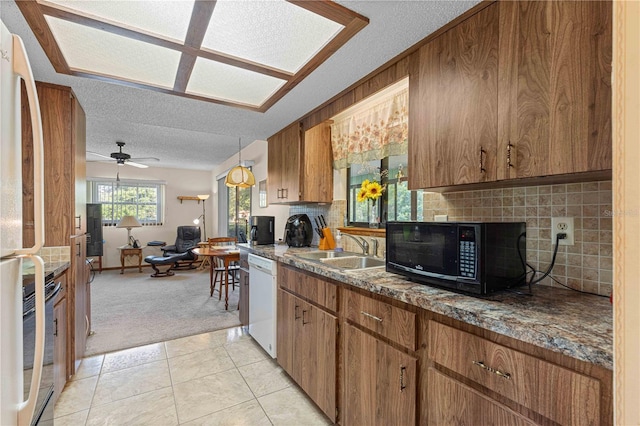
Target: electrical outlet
x,y
440,217
562,225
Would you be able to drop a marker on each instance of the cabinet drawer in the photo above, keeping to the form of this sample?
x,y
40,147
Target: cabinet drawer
x,y
453,403
308,287
557,393
387,320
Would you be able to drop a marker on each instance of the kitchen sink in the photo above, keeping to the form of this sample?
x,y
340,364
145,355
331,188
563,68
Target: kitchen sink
x,y
321,255
353,262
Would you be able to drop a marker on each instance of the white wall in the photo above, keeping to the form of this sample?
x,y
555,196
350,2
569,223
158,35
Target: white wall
x,y
256,151
179,182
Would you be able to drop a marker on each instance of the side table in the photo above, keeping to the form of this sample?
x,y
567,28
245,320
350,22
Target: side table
x,y
130,251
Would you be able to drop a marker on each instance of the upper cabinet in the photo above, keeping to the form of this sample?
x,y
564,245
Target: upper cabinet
x,y
518,90
453,105
555,88
63,130
299,166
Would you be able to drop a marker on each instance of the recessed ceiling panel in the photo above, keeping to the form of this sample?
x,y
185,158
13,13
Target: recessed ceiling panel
x,y
224,82
274,33
169,19
90,50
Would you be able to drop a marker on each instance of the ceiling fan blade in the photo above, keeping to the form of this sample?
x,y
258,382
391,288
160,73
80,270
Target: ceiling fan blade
x,y
141,166
142,159
99,155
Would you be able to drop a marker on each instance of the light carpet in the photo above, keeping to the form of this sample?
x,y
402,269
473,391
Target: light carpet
x,y
134,309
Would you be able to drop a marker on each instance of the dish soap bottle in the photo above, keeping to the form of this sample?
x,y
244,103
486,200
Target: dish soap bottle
x,y
338,240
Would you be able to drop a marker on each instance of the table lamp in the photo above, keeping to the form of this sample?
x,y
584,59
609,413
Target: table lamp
x,y
129,222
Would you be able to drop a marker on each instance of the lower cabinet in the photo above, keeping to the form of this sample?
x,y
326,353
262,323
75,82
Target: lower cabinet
x,y
453,403
380,385
402,365
307,349
77,301
243,298
59,344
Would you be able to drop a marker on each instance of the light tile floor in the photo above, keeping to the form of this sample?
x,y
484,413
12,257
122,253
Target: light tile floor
x,y
218,378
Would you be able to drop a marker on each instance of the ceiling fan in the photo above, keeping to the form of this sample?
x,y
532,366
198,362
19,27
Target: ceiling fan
x,y
123,158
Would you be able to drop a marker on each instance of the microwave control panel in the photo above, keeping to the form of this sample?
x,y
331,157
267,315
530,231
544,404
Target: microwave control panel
x,y
468,257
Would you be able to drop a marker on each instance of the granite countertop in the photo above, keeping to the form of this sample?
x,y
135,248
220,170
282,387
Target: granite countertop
x,y
574,324
55,268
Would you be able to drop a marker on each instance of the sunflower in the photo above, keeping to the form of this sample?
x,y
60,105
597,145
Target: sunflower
x,y
374,190
362,194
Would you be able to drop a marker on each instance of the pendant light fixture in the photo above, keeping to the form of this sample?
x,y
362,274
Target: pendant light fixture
x,y
240,176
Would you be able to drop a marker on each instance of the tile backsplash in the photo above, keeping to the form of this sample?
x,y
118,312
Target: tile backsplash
x,y
585,266
55,254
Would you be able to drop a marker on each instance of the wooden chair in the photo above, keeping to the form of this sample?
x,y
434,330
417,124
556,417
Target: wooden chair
x,y
219,265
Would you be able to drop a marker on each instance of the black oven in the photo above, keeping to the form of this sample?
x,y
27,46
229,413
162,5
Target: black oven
x,y
44,409
472,257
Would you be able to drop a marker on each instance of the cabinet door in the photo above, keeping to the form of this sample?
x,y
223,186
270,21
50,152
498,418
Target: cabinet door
x,y
315,353
78,300
317,183
80,143
59,346
243,304
453,105
555,87
452,403
380,382
283,165
285,331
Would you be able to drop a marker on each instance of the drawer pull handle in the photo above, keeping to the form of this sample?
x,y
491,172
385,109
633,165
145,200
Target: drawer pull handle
x,y
295,313
303,320
368,315
402,385
484,366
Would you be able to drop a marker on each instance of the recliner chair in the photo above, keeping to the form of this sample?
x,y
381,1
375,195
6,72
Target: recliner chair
x,y
179,255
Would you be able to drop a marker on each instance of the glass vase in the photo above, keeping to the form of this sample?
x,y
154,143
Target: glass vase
x,y
373,216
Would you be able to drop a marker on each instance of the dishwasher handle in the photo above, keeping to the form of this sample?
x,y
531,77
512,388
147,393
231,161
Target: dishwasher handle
x,y
260,268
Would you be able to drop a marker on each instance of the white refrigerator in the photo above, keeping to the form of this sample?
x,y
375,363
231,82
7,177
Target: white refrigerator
x,y
15,407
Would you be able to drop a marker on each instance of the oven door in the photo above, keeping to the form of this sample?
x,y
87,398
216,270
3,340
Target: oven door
x,y
427,248
43,410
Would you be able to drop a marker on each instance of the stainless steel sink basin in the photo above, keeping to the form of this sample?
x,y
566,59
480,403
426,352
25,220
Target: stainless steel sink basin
x,y
321,255
353,262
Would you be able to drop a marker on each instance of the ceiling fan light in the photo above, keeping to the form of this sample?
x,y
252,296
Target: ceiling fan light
x,y
241,177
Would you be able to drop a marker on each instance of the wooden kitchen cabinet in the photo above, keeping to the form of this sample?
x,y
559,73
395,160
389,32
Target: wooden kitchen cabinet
x,y
77,301
243,298
60,350
308,344
64,133
380,385
453,403
453,105
549,391
555,88
520,90
299,166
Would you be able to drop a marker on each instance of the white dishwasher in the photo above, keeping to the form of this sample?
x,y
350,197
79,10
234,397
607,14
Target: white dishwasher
x,y
262,302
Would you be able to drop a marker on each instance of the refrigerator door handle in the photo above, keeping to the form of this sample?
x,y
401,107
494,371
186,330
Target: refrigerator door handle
x,y
26,408
22,68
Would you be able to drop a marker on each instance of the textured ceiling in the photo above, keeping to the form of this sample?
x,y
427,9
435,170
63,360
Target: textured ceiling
x,y
190,134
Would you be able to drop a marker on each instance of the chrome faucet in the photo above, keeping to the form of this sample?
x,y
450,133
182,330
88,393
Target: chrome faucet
x,y
364,245
375,247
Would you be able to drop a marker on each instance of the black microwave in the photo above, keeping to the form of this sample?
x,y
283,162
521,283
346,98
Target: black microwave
x,y
471,257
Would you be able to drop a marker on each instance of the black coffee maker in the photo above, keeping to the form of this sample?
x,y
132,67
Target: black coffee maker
x,y
262,228
298,231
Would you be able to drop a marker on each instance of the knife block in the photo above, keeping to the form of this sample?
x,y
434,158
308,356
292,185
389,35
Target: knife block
x,y
326,242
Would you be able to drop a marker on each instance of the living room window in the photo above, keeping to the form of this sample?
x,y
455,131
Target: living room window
x,y
235,214
139,198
